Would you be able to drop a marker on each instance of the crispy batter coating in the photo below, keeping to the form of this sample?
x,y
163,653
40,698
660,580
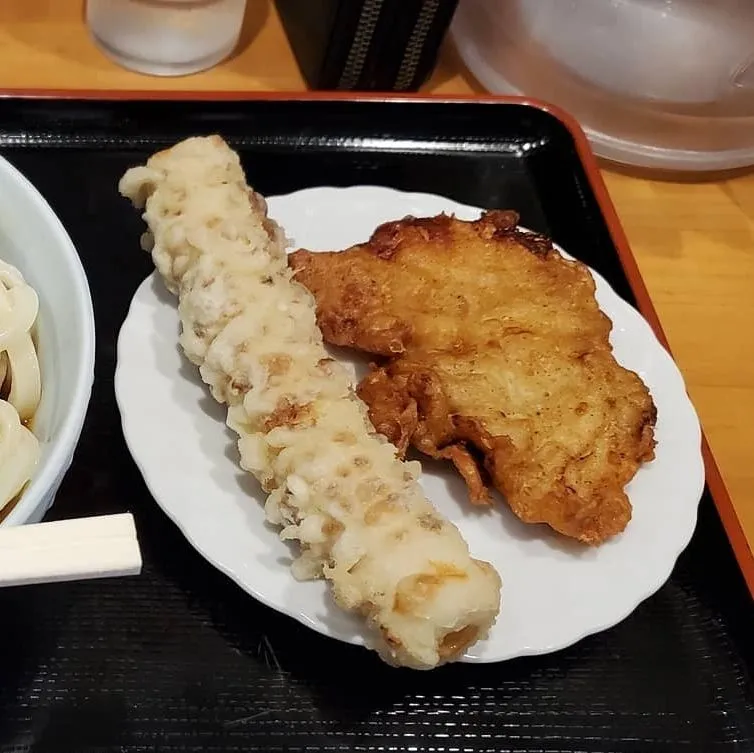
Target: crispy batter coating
x,y
494,355
335,486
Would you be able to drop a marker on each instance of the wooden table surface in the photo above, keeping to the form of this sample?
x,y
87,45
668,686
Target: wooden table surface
x,y
694,241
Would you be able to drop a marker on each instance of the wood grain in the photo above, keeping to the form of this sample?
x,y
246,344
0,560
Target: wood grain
x,y
694,241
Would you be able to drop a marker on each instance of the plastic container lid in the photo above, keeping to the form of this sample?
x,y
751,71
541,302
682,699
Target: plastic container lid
x,y
665,84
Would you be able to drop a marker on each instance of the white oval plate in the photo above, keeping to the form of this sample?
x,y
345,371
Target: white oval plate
x,y
555,592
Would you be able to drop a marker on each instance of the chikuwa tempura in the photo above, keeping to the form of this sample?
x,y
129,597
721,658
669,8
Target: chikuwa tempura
x,y
334,485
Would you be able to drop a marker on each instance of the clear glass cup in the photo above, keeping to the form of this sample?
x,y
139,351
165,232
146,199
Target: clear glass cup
x,y
166,37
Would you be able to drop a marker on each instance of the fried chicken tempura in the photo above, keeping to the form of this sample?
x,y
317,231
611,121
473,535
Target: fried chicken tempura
x,y
334,485
495,356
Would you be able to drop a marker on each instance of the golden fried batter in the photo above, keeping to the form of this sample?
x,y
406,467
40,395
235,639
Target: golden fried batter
x,y
495,356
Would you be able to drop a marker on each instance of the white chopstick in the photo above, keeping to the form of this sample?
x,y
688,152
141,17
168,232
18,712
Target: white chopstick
x,y
104,546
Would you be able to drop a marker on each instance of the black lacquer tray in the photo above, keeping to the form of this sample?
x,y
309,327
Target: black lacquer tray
x,y
180,659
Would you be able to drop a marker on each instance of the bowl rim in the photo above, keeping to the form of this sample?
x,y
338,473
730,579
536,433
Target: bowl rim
x,y
63,446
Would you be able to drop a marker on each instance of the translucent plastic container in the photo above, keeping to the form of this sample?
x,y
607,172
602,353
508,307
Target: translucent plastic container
x,y
656,83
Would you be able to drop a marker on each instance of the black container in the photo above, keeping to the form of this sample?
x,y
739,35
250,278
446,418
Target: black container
x,y
366,45
180,659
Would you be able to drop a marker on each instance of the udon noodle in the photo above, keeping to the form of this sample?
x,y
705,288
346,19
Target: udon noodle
x,y
20,382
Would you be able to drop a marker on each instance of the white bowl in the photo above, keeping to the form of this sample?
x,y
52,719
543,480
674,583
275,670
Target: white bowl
x,y
33,239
